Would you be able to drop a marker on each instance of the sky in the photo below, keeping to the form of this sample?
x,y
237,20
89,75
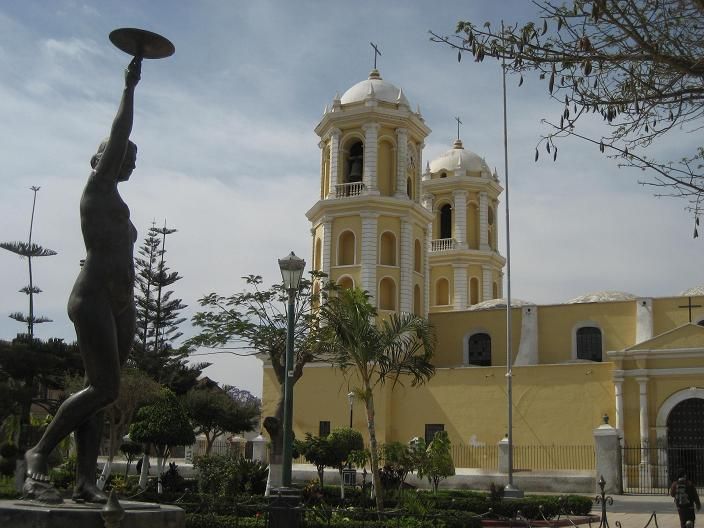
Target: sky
x,y
228,156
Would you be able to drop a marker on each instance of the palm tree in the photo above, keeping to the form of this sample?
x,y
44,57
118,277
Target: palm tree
x,y
394,349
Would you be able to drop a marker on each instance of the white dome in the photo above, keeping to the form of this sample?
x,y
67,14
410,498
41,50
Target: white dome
x,y
693,292
457,158
500,303
374,87
602,296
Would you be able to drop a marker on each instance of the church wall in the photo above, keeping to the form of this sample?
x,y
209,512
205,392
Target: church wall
x,y
453,328
438,272
668,314
631,412
557,323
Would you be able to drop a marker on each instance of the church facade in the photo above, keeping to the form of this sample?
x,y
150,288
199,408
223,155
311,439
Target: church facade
x,y
421,237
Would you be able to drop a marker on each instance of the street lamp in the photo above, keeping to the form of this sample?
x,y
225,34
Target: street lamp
x,y
291,271
350,398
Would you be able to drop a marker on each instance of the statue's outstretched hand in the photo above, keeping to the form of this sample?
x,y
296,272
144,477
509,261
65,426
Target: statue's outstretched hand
x,y
133,72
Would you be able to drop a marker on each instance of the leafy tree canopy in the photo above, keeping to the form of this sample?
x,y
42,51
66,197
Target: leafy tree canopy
x,y
637,64
163,423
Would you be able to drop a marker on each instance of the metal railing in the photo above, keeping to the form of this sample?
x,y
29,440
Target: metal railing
x,y
482,457
651,470
344,190
554,457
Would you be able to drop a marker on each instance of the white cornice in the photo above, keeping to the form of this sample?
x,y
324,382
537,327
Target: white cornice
x,y
645,373
674,353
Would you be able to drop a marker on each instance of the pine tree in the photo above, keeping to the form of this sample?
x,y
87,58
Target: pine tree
x,y
158,317
29,250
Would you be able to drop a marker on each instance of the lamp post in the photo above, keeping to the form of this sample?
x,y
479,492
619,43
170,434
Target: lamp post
x,y
291,271
350,398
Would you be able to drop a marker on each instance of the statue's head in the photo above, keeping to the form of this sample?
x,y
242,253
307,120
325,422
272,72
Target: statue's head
x,y
128,162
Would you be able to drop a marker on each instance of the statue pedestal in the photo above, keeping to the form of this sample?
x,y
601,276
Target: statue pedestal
x,y
31,514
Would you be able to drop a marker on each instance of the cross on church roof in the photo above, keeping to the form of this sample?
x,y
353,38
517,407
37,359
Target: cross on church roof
x,y
689,305
458,126
376,52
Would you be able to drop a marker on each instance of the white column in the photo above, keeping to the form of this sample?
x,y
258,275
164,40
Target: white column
x,y
326,256
644,320
460,209
487,283
643,386
406,263
528,344
371,131
401,162
484,221
618,391
419,170
334,160
426,269
459,272
369,252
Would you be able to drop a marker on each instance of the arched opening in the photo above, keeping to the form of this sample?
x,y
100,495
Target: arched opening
x,y
417,256
685,436
442,292
387,294
446,221
490,228
479,350
387,250
589,343
416,300
346,249
354,163
317,259
473,290
409,188
386,168
495,291
345,282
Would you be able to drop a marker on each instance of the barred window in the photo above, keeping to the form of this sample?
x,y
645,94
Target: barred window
x,y
479,350
589,343
324,429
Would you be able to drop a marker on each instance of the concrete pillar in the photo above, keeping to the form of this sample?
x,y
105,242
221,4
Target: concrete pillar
x,y
334,161
401,162
643,403
528,345
503,455
460,218
259,448
484,222
618,392
460,282
406,264
608,458
371,132
487,283
369,253
644,320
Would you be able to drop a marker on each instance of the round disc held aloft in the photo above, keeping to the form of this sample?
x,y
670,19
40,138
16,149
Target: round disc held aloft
x,y
142,43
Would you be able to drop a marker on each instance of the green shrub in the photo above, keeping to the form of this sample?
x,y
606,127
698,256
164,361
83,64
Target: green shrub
x,y
225,476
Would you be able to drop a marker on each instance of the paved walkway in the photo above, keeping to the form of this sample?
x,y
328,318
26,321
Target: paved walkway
x,y
634,511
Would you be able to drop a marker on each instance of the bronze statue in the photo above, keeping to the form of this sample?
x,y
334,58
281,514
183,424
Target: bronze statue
x,y
101,305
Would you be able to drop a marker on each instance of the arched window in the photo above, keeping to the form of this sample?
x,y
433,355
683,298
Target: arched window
x,y
317,260
417,256
354,163
446,221
346,249
387,251
479,350
345,282
416,300
386,168
387,294
589,343
442,292
473,290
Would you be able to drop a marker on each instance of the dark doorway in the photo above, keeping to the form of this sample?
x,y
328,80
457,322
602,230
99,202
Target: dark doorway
x,y
685,439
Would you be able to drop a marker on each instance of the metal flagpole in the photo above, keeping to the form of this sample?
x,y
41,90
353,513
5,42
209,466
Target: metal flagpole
x,y
510,490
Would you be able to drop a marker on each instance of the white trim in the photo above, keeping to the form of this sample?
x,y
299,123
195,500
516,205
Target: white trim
x,y
674,353
354,255
683,371
586,324
673,400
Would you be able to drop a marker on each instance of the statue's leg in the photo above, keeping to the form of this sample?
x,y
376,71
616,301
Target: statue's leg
x,y
97,341
88,437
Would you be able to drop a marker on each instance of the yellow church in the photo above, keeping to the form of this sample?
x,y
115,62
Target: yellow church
x,y
421,237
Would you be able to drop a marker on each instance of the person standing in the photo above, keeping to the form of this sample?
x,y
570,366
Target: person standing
x,y
686,498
